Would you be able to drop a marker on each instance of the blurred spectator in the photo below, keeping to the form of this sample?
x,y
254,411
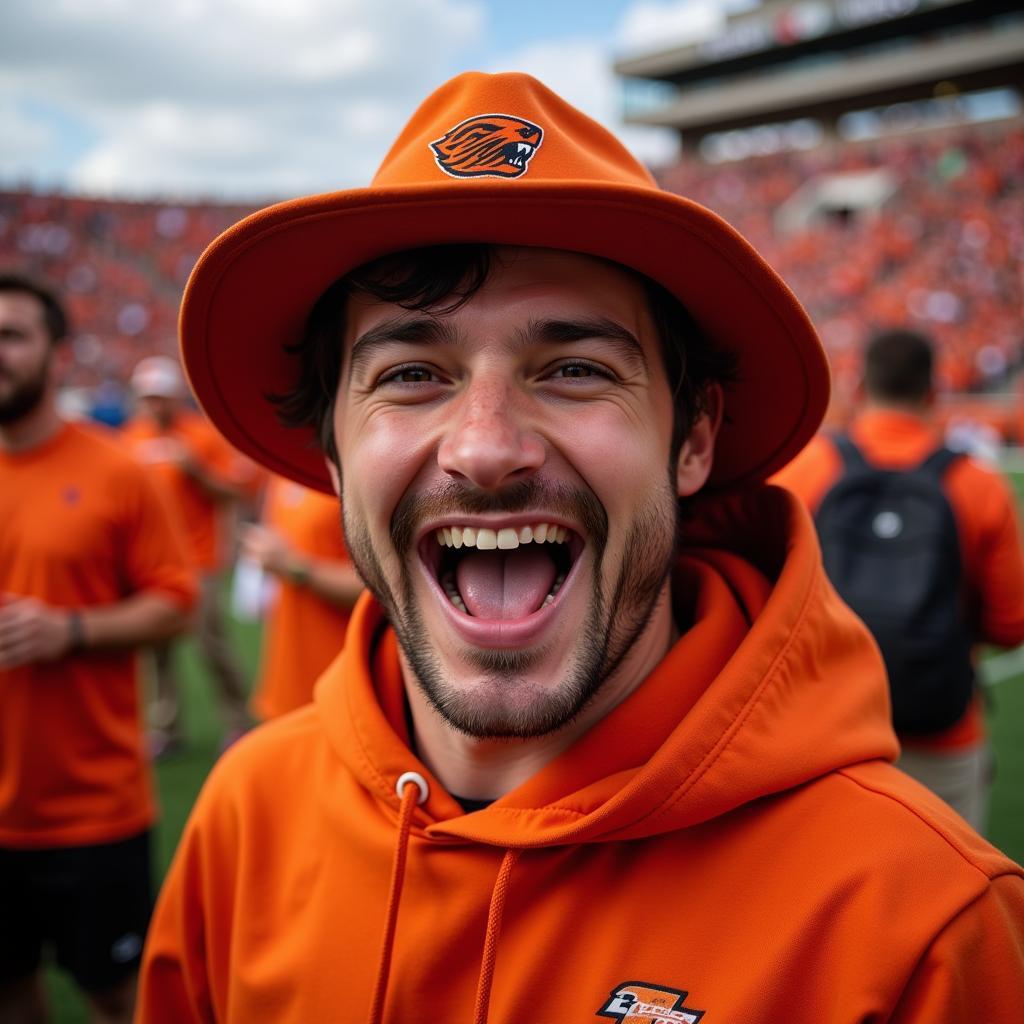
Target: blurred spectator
x,y
299,542
204,478
979,440
91,568
109,404
895,431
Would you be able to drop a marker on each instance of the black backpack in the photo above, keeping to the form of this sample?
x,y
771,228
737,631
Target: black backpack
x,y
890,547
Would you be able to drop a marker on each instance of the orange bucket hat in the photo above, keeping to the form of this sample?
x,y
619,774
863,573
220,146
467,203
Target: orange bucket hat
x,y
496,159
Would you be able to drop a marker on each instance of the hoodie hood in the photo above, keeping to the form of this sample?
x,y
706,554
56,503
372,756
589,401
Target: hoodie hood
x,y
773,683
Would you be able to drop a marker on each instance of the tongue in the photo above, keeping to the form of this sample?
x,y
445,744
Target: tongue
x,y
505,584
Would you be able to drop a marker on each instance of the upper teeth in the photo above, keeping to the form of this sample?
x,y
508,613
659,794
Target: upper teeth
x,y
485,539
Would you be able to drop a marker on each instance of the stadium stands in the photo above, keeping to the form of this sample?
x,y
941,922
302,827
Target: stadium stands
x,y
942,252
122,266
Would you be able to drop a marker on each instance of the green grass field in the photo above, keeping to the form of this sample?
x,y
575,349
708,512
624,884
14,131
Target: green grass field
x,y
180,778
1006,815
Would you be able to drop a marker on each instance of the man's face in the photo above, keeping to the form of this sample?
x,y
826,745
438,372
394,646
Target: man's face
x,y
25,355
159,408
506,485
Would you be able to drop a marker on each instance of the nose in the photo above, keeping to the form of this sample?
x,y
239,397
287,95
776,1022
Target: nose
x,y
488,441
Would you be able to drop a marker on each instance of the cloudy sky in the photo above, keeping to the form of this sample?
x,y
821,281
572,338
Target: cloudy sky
x,y
269,98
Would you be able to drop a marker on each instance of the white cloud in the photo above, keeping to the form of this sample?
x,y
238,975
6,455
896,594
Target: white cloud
x,y
653,25
268,98
239,97
650,26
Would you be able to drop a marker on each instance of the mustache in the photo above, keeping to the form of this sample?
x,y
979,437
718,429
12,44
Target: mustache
x,y
577,504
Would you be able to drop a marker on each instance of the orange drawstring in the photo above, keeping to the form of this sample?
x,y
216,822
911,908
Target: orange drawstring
x,y
410,797
494,916
413,790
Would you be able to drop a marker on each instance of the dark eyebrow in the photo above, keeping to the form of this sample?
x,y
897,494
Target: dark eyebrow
x,y
556,332
423,330
428,330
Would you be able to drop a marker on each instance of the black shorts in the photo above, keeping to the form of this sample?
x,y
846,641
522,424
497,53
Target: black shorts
x,y
88,905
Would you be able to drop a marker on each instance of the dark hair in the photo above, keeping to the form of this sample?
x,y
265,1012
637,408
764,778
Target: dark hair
x,y
55,317
898,366
441,278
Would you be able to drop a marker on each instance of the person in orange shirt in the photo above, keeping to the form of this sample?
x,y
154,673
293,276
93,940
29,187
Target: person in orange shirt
x,y
602,742
894,430
91,568
205,478
299,544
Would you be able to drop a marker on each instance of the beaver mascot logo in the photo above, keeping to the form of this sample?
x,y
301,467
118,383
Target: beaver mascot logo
x,y
487,146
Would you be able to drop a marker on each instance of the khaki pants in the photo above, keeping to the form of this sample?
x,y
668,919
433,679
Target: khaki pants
x,y
961,777
212,636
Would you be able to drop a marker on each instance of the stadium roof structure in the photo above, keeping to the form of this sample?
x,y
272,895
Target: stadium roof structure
x,y
790,59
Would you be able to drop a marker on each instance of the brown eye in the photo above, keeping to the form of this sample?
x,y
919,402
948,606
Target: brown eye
x,y
576,370
408,375
413,375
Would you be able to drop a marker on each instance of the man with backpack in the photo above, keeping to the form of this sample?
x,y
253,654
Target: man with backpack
x,y
923,543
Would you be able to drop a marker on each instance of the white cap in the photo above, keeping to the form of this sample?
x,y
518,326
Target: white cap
x,y
159,376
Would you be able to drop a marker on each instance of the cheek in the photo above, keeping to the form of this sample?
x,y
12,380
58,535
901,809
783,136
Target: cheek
x,y
623,459
379,461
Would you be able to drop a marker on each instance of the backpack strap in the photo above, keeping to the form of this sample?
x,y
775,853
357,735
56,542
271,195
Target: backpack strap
x,y
852,456
938,462
934,466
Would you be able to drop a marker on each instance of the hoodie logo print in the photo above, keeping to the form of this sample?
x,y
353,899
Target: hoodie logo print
x,y
653,1004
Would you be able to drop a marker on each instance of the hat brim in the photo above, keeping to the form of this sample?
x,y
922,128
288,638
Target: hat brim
x,y
251,292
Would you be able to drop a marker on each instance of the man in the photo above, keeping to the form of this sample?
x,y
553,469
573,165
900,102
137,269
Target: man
x,y
90,569
299,545
581,756
895,431
204,479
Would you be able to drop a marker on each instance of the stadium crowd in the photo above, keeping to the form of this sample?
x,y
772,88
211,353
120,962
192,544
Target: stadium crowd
x,y
945,257
120,265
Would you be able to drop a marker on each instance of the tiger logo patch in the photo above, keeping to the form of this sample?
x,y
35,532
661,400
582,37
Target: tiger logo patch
x,y
488,146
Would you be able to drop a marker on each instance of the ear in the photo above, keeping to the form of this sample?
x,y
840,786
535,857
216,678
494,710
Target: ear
x,y
332,472
697,455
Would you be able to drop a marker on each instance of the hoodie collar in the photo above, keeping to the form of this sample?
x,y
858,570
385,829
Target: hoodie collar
x,y
773,684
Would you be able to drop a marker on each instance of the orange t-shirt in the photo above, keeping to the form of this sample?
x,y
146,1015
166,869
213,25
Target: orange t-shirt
x,y
83,525
303,632
202,514
986,518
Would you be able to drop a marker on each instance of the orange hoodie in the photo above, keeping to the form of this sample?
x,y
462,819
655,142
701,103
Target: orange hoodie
x,y
729,841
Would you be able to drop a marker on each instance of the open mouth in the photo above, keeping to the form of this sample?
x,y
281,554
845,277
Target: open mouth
x,y
505,573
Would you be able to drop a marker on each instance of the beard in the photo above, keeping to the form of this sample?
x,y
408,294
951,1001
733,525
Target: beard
x,y
502,703
23,397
